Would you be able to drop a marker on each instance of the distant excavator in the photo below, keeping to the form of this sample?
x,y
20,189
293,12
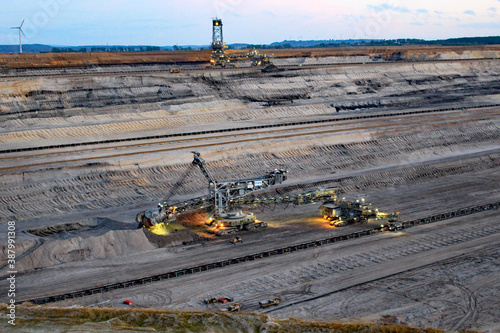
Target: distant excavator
x,y
222,59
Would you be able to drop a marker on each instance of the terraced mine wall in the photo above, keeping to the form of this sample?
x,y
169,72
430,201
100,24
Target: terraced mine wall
x,y
49,111
84,149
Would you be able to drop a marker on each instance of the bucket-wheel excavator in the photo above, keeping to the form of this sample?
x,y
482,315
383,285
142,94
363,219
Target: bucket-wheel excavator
x,y
224,219
224,196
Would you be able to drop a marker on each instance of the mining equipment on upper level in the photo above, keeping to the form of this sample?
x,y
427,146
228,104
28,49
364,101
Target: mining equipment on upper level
x,y
219,57
222,59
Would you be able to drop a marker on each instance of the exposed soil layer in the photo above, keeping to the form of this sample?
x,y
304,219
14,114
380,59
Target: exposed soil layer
x,y
27,60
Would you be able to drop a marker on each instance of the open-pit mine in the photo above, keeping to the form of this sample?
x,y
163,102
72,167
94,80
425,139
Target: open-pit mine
x,y
99,153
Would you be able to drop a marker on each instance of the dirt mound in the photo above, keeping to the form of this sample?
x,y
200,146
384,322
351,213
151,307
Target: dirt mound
x,y
23,246
91,227
60,251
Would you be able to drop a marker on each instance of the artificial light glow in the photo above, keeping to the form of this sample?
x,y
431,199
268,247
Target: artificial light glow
x,y
160,229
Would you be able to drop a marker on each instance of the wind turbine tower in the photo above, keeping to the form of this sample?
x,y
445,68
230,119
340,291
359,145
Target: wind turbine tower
x,y
20,40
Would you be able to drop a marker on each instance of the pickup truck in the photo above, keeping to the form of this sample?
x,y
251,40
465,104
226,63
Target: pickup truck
x,y
225,299
210,300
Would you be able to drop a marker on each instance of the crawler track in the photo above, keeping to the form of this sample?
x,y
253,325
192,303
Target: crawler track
x,y
256,256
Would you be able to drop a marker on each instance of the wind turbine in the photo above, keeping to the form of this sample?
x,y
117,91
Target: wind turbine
x,y
20,40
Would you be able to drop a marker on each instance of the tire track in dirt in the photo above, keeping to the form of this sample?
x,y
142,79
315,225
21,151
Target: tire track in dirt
x,y
229,142
101,190
450,240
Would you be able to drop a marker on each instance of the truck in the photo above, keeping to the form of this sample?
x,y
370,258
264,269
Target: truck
x,y
234,307
225,299
274,301
210,300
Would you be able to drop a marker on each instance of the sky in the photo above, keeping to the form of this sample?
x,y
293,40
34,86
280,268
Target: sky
x,y
188,22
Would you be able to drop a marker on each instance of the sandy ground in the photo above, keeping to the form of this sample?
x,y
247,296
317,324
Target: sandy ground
x,y
74,207
425,276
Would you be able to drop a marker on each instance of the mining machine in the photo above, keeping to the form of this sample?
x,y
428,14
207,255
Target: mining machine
x,y
224,196
219,57
342,212
223,219
222,59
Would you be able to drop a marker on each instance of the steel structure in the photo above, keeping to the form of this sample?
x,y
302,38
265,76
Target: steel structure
x,y
219,57
310,197
222,195
217,38
225,195
227,191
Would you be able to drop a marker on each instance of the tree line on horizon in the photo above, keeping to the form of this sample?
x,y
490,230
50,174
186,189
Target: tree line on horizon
x,y
463,41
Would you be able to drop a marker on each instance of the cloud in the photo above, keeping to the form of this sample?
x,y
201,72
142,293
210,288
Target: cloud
x,y
490,25
268,13
422,11
469,12
492,9
417,23
386,6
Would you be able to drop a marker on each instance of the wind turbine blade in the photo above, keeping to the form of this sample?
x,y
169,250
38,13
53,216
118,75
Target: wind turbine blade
x,y
15,28
22,32
22,23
